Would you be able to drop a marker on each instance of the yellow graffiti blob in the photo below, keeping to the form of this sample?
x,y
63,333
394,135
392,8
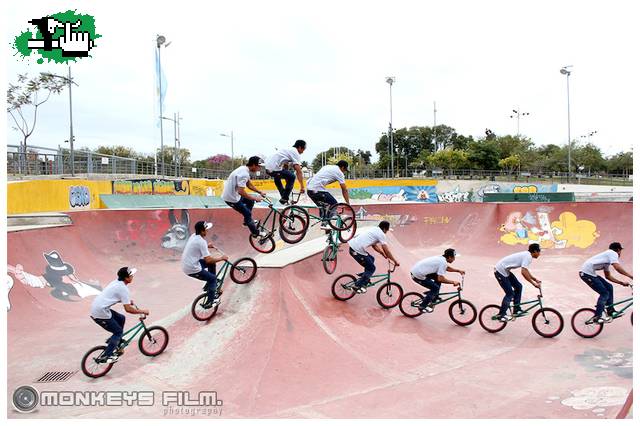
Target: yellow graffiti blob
x,y
525,189
512,239
578,233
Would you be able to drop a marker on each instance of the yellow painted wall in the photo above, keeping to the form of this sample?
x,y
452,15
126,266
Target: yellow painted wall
x,y
268,185
52,195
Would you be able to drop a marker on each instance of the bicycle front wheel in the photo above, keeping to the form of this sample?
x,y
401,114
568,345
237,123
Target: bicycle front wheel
x,y
583,325
289,230
489,319
263,244
462,312
153,341
295,220
410,305
342,287
330,259
243,270
389,295
92,368
201,313
547,322
348,234
342,216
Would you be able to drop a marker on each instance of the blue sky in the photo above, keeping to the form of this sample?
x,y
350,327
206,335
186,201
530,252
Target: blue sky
x,y
278,71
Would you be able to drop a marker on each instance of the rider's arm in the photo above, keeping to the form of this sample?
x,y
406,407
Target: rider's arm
x,y
527,276
450,269
445,280
377,248
244,193
214,259
609,277
621,270
130,308
345,192
388,255
300,177
252,187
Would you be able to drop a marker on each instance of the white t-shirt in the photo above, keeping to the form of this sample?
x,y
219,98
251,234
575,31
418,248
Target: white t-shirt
x,y
361,242
115,292
430,265
238,178
286,155
522,259
599,262
195,249
325,176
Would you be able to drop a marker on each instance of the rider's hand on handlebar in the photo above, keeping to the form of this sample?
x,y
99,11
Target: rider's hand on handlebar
x,y
626,284
301,190
462,272
538,284
456,283
225,257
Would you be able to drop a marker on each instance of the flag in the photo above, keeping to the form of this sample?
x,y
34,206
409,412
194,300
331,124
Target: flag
x,y
160,94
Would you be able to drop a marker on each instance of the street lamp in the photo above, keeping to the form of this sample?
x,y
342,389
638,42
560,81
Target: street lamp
x,y
161,40
176,124
517,114
565,71
230,136
69,81
390,81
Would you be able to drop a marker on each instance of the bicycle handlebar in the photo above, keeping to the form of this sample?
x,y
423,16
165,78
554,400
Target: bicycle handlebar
x,y
390,269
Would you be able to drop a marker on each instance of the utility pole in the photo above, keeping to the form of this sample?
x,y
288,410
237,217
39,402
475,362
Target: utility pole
x,y
435,140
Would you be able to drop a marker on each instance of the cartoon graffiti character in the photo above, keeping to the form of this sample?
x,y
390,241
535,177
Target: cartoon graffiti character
x,y
176,236
9,287
59,276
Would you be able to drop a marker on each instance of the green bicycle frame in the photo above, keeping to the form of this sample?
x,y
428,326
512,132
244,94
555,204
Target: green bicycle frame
x,y
629,302
132,333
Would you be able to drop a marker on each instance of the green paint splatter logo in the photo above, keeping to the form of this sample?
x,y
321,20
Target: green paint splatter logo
x,y
59,37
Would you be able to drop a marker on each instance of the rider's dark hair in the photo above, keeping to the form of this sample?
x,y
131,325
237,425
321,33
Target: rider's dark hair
x,y
384,225
449,253
253,161
535,247
300,144
615,246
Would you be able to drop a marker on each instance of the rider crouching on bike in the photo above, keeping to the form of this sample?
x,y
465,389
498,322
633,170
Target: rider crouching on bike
x,y
112,321
429,273
374,238
236,196
510,284
588,274
317,191
198,263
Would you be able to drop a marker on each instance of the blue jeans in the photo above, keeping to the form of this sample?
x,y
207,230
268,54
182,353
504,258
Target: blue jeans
x,y
602,287
208,274
289,178
512,291
323,200
244,207
369,267
114,325
432,284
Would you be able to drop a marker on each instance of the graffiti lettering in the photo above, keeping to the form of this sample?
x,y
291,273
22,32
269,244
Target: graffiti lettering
x,y
79,196
437,220
453,197
149,187
525,189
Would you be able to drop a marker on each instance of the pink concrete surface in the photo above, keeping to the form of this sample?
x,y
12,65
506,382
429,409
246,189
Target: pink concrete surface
x,y
282,346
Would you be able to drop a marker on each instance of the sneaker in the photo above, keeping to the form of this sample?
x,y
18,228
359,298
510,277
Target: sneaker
x,y
426,309
360,289
119,351
255,222
606,318
108,360
211,303
284,201
520,313
614,314
505,318
325,227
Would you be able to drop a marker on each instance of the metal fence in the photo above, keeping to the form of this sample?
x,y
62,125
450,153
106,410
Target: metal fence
x,y
47,161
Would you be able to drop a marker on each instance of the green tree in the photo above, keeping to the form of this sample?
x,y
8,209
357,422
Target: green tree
x,y
448,159
118,151
316,164
589,157
510,163
483,154
620,163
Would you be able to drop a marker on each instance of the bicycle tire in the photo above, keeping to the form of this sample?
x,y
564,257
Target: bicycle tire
x,y
89,356
150,336
549,313
292,238
389,295
486,321
408,304
330,259
343,210
336,287
350,233
578,320
267,246
202,314
243,273
289,211
459,307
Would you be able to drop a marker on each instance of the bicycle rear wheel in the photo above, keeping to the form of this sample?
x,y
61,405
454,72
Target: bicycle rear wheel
x,y
263,244
547,322
243,270
330,259
201,313
153,341
94,369
287,220
583,326
348,234
339,291
389,295
462,312
289,230
342,216
489,319
410,305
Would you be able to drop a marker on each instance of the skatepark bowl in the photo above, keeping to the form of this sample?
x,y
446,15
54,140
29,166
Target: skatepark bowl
x,y
283,347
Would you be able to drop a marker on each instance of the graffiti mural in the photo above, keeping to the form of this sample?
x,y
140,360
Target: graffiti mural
x,y
393,219
537,227
455,196
79,196
176,236
425,194
517,188
59,277
151,187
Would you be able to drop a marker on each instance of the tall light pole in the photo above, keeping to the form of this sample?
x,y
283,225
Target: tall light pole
x,y
230,136
175,140
517,114
160,40
433,133
565,71
69,81
390,81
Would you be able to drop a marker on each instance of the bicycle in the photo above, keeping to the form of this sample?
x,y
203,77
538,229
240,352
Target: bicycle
x,y
461,311
293,223
330,253
242,271
342,217
388,295
583,324
153,342
547,318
